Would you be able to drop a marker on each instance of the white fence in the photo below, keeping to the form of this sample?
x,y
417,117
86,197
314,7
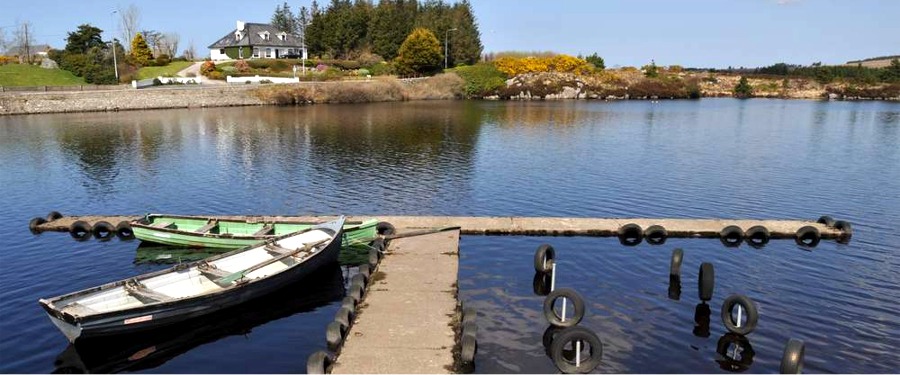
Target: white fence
x,y
149,82
258,79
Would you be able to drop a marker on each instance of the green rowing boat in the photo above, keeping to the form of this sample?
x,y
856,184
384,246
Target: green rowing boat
x,y
216,232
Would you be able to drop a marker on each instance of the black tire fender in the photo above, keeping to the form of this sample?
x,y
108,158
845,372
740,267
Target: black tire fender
x,y
565,362
103,230
80,230
541,283
365,270
124,231
750,311
469,315
319,362
349,303
550,312
706,281
544,257
807,236
792,359
630,234
827,220
345,316
757,236
356,291
656,234
846,230
53,215
731,236
360,278
470,328
334,335
385,229
468,348
675,263
373,258
34,224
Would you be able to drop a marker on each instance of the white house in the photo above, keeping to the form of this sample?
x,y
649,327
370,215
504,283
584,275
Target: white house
x,y
257,40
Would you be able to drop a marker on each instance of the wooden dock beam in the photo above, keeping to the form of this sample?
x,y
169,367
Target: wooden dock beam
x,y
528,226
405,322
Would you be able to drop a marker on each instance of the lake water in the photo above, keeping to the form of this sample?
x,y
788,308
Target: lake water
x,y
719,158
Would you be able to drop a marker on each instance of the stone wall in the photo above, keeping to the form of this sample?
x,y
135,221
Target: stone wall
x,y
13,103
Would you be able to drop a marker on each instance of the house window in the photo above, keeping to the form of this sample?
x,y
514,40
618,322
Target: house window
x,y
255,52
221,51
268,52
264,35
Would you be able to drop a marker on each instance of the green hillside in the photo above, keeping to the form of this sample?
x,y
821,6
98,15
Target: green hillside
x,y
30,75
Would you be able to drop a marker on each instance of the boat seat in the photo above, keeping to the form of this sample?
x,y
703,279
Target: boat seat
x,y
264,230
208,227
211,271
162,224
141,292
76,308
275,249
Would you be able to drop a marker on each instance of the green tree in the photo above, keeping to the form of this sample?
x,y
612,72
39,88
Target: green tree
x,y
140,51
83,39
392,21
892,72
283,19
315,31
465,42
651,71
595,60
743,89
302,21
420,53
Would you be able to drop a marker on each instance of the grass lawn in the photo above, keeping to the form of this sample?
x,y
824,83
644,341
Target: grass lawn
x,y
30,75
156,71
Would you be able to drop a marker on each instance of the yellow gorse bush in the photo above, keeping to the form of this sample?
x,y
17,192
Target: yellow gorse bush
x,y
513,66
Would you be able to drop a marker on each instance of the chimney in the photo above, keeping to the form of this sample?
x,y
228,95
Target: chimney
x,y
240,25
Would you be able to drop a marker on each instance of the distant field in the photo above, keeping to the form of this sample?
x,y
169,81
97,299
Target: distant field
x,y
30,75
873,63
168,70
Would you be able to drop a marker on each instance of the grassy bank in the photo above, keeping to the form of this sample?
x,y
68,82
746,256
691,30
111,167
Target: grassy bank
x,y
30,75
442,86
169,70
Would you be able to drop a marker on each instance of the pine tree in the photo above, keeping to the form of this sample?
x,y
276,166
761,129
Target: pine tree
x,y
465,42
315,32
283,19
419,53
743,89
302,20
140,52
392,21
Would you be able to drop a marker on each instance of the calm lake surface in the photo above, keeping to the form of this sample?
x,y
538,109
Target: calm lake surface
x,y
717,158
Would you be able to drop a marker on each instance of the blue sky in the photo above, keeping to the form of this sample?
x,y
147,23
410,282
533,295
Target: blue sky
x,y
701,33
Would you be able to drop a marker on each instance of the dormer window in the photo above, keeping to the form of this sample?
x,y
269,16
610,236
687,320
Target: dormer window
x,y
264,35
282,36
238,35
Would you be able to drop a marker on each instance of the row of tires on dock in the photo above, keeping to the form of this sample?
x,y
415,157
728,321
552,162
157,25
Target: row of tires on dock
x,y
579,350
82,230
336,332
757,236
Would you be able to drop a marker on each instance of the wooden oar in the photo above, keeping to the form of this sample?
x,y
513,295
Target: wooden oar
x,y
240,274
420,233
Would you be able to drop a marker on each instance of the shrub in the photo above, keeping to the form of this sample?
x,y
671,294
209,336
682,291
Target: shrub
x,y
480,80
420,53
363,72
382,69
743,89
163,60
8,60
440,87
241,66
156,82
659,87
208,68
513,66
215,75
368,59
596,61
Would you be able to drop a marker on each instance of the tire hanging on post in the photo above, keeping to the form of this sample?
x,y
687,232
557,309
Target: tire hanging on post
x,y
568,362
544,257
792,358
561,321
706,281
749,310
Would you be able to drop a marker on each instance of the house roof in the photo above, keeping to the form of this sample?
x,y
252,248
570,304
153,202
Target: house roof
x,y
251,37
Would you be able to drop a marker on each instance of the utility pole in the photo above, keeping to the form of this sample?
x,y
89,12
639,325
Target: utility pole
x,y
27,48
447,45
115,63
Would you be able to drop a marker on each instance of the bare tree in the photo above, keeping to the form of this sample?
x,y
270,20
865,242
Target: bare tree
x,y
129,23
3,43
22,41
190,53
170,43
153,39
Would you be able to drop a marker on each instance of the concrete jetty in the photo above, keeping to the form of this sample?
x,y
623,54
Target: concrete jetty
x,y
405,323
528,226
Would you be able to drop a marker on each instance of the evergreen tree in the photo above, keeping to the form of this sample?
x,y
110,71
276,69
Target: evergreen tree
x,y
419,53
743,89
83,39
596,61
315,32
140,52
465,42
392,21
283,19
303,19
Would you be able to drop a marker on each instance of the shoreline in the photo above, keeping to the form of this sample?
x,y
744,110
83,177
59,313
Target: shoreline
x,y
25,103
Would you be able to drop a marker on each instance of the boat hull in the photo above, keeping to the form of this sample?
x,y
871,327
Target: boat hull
x,y
159,315
234,234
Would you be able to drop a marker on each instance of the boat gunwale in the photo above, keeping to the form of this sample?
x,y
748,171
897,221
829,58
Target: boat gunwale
x,y
138,223
48,303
